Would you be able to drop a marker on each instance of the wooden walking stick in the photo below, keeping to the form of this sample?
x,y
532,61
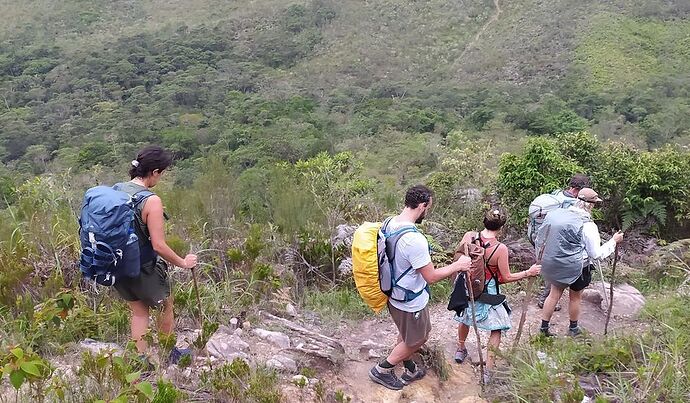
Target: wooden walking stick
x,y
528,291
198,298
474,322
201,315
613,273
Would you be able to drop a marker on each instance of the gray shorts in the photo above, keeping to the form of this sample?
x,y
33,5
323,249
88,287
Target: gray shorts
x,y
152,286
414,327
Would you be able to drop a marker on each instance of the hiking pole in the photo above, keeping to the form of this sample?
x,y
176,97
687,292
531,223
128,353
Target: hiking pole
x,y
201,312
603,286
474,323
528,291
198,298
613,273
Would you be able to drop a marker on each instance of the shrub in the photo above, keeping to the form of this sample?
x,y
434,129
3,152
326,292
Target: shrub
x,y
239,382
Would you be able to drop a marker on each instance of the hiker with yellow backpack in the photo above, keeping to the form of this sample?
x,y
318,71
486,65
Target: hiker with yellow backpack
x,y
392,268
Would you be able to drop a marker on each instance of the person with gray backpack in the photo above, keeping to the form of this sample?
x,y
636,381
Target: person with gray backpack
x,y
571,244
545,203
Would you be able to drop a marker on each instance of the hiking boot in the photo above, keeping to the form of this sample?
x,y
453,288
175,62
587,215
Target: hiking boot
x,y
574,331
386,378
176,354
461,355
408,377
546,332
540,304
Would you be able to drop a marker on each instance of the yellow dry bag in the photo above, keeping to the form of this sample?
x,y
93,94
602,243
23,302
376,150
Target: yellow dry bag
x,y
365,265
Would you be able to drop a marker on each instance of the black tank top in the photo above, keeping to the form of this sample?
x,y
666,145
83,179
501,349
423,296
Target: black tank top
x,y
146,252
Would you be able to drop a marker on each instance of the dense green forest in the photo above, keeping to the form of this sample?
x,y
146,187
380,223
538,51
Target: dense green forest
x,y
289,118
400,85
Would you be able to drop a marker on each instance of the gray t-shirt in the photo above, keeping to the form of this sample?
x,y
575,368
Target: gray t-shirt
x,y
412,250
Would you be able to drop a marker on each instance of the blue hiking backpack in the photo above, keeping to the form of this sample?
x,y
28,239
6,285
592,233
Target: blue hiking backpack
x,y
387,244
109,245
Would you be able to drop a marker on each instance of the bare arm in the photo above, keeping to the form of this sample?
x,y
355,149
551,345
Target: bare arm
x,y
152,215
504,267
432,275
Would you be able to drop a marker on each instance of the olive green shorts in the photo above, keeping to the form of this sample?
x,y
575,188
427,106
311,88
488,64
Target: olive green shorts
x,y
152,286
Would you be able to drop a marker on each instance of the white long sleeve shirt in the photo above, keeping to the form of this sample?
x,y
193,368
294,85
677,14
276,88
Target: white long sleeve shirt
x,y
594,250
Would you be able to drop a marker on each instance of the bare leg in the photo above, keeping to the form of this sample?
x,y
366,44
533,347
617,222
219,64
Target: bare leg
x,y
574,306
139,324
463,331
400,353
550,303
494,342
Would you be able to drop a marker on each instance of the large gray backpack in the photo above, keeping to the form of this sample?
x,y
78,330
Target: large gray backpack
x,y
561,239
540,207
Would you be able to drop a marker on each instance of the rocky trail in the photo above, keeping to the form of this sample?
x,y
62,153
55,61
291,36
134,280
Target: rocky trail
x,y
338,356
463,383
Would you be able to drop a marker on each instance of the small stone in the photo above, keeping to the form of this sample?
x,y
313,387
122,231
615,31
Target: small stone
x,y
279,339
275,364
99,347
291,310
237,332
234,323
287,364
374,354
369,344
223,345
246,325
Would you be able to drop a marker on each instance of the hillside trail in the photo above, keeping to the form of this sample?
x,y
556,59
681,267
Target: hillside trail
x,y
463,383
494,17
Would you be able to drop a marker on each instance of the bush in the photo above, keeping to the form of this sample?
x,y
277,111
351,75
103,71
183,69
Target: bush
x,y
644,188
336,304
542,168
238,382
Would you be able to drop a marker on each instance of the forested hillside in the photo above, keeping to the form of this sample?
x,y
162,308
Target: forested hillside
x,y
84,83
290,120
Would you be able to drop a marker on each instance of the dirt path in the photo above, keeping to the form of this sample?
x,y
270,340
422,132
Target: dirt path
x,y
462,386
479,33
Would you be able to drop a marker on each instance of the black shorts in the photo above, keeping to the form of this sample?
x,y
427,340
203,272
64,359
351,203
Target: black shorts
x,y
152,286
581,283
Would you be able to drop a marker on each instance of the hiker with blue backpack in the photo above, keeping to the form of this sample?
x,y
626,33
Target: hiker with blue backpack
x,y
571,244
412,271
122,229
542,205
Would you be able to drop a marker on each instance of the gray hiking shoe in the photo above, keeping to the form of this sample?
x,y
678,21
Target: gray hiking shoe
x,y
386,378
574,331
408,377
460,355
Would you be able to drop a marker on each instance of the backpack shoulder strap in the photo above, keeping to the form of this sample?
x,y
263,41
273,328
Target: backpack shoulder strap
x,y
393,238
492,253
140,196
